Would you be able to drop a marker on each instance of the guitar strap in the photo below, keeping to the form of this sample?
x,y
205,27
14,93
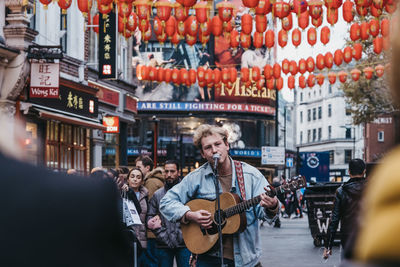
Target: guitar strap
x,y
240,179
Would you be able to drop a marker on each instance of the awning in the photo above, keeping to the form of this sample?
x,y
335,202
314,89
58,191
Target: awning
x,y
71,120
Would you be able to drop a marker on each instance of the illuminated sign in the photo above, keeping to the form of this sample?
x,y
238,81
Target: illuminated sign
x,y
44,80
112,124
107,46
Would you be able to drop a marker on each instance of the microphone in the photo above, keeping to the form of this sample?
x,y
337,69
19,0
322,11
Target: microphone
x,y
216,157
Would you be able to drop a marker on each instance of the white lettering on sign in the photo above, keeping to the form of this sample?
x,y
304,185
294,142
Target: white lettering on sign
x,y
323,226
383,120
44,80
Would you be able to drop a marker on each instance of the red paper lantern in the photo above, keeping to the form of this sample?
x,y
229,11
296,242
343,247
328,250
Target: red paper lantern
x,y
64,5
279,83
191,26
361,11
364,32
368,72
320,62
357,51
281,9
347,54
271,84
263,7
132,22
216,26
268,72
320,79
328,60
191,40
270,39
250,3
390,7
338,57
293,67
277,70
363,3
296,37
205,28
162,37
375,11
147,35
335,4
181,29
260,84
170,26
217,76
247,24
299,6
208,77
192,76
332,77
244,75
139,71
287,22
302,66
282,38
348,13
45,3
342,76
379,70
152,74
157,27
378,45
310,64
311,80
168,75
164,8
187,3
175,40
144,25
225,76
258,40
200,74
374,27
291,82
234,38
379,4
325,35
315,9
332,16
261,23
317,22
255,74
233,75
144,73
160,75
83,5
355,32
143,9
302,81
285,66
202,11
225,11
104,9
204,39
312,36
245,40
96,22
181,12
385,27
303,20
355,74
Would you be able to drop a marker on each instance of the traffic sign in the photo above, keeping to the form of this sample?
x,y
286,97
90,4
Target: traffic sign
x,y
272,155
289,162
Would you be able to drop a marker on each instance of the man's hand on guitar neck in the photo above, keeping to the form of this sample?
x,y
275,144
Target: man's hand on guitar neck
x,y
202,217
268,202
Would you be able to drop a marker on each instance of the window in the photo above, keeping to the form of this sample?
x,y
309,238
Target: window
x,y
320,92
319,113
330,110
348,133
381,136
319,134
63,28
301,137
301,97
330,89
314,135
309,115
347,155
308,136
331,157
301,116
314,114
348,110
329,132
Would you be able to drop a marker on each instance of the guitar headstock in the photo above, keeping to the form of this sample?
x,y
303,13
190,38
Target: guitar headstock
x,y
292,185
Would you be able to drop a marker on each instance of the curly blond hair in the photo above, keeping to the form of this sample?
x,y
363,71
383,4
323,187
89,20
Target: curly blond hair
x,y
205,130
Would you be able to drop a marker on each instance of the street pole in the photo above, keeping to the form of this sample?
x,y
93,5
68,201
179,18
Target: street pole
x,y
276,116
354,142
284,135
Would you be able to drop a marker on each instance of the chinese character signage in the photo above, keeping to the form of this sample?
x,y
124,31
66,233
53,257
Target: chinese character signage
x,y
44,80
107,46
73,101
112,124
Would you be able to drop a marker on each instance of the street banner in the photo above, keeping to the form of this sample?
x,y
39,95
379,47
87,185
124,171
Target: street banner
x,y
107,46
315,166
45,79
272,155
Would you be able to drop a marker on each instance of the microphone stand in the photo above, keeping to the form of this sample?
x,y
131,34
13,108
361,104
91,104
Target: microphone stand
x,y
221,249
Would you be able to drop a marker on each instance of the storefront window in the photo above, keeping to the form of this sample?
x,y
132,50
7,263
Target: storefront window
x,y
31,143
110,157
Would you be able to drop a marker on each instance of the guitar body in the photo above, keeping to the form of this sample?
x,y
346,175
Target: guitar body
x,y
198,240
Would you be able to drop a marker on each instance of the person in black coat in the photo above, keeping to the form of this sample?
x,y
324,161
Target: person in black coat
x,y
51,219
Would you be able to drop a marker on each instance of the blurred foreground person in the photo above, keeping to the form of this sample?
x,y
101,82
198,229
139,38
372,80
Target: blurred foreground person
x,y
51,219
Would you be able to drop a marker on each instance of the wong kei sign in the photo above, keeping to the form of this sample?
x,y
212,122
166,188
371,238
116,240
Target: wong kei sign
x,y
44,80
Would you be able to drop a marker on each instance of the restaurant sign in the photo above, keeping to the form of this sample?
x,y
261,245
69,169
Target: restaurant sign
x,y
44,80
112,124
107,46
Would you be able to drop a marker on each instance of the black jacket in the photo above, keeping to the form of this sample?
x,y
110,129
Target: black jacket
x,y
345,209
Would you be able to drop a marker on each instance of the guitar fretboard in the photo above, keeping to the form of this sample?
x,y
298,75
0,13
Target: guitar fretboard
x,y
242,206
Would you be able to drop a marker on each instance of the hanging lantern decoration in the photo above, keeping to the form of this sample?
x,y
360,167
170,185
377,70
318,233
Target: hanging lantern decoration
x,y
247,24
96,23
132,22
184,76
302,81
357,51
374,27
268,72
181,29
390,7
170,26
285,66
291,82
144,26
192,76
152,74
348,13
332,77
271,84
168,75
342,76
320,79
217,77
378,45
312,36
379,70
164,8
263,7
355,74
287,22
147,36
261,23
244,75
250,3
83,5
347,54
375,11
225,76
281,9
277,70
282,38
200,74
139,71
181,12
191,40
203,39
303,20
160,75
279,83
296,37
233,75
293,67
311,80
162,37
186,3
104,9
144,73
364,30
355,32
216,26
176,76
234,36
385,27
379,4
176,39
191,26
260,84
338,57
317,22
368,72
269,39
325,35
328,60
258,40
361,11
225,11
228,27
333,4
245,40
143,8
208,77
302,66
299,6
255,74
320,62
205,28
332,16
64,5
157,27
363,3
310,64
202,11
45,3
124,9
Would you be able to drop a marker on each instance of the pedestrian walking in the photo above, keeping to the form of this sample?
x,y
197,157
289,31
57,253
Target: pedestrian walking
x,y
169,238
241,248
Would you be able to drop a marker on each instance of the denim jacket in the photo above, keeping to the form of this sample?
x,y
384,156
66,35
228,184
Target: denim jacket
x,y
200,184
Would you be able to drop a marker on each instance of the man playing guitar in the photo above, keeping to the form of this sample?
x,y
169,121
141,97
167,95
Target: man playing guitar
x,y
240,249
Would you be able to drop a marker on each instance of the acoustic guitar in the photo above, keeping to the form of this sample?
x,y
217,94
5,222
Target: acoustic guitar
x,y
199,240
